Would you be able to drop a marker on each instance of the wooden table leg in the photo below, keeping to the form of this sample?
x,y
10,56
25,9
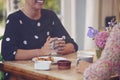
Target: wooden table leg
x,y
15,77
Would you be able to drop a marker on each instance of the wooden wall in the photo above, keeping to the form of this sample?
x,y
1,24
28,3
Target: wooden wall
x,y
107,8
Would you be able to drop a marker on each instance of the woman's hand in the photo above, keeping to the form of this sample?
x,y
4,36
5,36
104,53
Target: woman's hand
x,y
60,46
82,65
50,45
57,44
46,49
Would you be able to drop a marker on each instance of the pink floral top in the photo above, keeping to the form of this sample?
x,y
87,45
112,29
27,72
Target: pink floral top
x,y
109,63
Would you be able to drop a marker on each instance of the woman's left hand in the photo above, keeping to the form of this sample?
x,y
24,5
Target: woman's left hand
x,y
82,65
60,46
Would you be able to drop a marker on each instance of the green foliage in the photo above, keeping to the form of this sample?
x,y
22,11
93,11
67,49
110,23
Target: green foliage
x,y
53,5
1,5
1,75
49,4
1,57
1,37
2,10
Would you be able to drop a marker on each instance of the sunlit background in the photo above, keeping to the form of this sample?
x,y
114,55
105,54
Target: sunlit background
x,y
76,15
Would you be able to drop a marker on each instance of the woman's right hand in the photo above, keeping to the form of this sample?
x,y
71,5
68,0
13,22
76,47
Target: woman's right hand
x,y
47,49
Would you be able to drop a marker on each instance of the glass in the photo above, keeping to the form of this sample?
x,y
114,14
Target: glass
x,y
85,55
53,52
53,46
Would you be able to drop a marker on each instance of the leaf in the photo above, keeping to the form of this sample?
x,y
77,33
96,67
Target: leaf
x,y
1,75
98,53
1,37
53,5
1,57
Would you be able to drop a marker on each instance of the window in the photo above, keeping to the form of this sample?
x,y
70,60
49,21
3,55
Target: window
x,y
2,12
54,5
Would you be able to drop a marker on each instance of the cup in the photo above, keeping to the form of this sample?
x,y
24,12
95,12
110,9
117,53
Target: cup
x,y
86,56
59,39
53,48
64,64
42,65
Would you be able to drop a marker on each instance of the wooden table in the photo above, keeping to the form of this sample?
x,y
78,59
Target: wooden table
x,y
26,70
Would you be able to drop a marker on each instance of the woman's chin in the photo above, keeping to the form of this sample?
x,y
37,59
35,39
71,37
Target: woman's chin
x,y
38,7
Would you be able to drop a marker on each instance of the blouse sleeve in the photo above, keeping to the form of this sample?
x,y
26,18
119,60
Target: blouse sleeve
x,y
60,31
9,46
109,62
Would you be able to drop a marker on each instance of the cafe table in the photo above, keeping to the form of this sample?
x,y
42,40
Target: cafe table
x,y
26,69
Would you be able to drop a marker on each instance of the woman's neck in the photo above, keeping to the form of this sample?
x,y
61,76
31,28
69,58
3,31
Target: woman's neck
x,y
32,13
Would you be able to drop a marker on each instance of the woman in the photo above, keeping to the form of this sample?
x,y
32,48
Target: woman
x,y
30,31
109,62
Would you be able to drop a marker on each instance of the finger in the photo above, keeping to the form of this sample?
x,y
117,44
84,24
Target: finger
x,y
53,39
60,49
48,38
57,45
60,52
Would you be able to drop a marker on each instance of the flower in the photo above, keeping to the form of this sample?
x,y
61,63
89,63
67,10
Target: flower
x,y
92,32
99,37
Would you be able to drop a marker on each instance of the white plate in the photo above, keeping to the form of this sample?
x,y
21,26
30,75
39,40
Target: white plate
x,y
56,59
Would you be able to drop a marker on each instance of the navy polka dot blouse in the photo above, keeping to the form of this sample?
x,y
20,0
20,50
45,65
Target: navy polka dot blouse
x,y
22,32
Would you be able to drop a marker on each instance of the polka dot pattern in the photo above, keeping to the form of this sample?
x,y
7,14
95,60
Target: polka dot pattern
x,y
25,42
21,22
7,39
53,23
7,21
38,24
14,52
6,74
48,33
36,37
22,32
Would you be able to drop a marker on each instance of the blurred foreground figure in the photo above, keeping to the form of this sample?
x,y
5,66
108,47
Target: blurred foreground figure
x,y
109,62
